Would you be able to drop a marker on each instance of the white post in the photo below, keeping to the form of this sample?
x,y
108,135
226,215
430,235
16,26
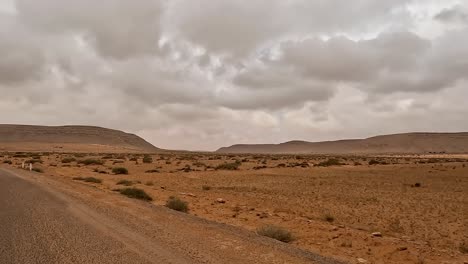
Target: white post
x,y
30,166
22,165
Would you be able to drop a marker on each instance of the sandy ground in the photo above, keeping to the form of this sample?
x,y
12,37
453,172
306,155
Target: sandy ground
x,y
46,221
330,210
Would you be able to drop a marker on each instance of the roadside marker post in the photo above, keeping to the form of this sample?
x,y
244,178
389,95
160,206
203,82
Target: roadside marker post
x,y
22,165
30,166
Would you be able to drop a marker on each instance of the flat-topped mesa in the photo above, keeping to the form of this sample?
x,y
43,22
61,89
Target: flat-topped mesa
x,y
70,138
408,143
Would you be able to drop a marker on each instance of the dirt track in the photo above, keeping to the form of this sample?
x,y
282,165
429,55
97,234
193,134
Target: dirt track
x,y
41,224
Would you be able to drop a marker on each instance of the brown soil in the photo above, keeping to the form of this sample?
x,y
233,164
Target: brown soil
x,y
419,204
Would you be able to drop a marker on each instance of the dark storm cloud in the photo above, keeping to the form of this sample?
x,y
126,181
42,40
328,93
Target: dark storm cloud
x,y
454,14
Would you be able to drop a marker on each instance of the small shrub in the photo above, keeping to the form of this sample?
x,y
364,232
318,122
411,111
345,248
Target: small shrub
x,y
8,162
152,171
330,162
135,193
229,166
199,164
125,182
275,232
416,185
88,179
39,170
329,218
120,170
91,162
177,204
68,160
206,187
147,159
374,162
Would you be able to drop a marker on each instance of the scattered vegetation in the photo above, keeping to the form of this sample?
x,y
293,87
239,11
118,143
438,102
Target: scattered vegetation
x,y
330,162
275,232
120,170
91,162
88,179
177,204
376,162
147,159
68,160
135,193
8,162
152,171
229,166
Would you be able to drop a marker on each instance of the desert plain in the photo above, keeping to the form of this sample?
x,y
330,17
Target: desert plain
x,y
357,209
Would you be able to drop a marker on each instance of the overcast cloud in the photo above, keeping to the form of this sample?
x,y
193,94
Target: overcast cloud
x,y
203,74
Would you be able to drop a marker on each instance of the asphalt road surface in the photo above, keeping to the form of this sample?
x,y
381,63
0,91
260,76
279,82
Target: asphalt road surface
x,y
41,225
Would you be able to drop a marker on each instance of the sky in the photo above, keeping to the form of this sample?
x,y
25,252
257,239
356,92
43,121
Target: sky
x,y
199,75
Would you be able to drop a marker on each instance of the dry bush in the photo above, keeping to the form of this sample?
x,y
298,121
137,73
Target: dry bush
x,y
177,204
135,193
330,162
275,232
68,160
88,179
91,162
229,166
147,159
120,170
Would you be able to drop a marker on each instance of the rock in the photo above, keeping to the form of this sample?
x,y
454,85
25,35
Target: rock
x,y
377,234
402,248
220,200
361,260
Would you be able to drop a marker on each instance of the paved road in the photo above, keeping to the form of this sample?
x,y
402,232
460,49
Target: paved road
x,y
41,223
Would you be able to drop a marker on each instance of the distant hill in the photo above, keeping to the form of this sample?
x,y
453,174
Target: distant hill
x,y
70,138
417,143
